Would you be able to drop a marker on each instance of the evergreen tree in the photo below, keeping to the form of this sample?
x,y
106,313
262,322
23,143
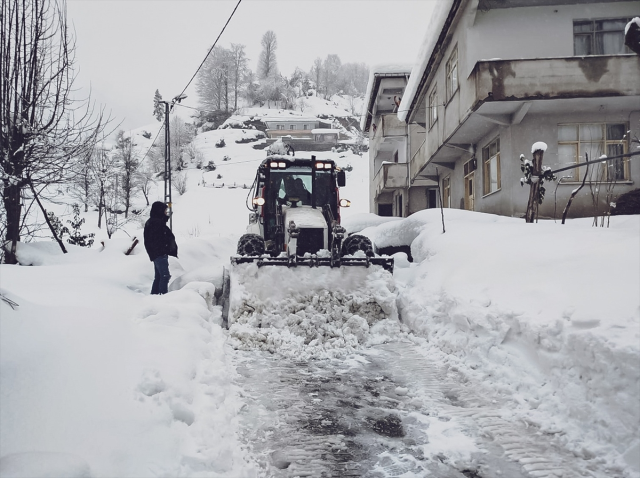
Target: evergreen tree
x,y
158,108
75,235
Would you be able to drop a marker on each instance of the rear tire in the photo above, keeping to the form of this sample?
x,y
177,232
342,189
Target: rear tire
x,y
355,243
251,245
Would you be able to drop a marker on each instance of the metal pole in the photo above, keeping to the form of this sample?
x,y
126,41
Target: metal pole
x,y
167,163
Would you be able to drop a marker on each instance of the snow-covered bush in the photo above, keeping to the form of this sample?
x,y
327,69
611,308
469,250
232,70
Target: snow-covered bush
x,y
627,204
220,143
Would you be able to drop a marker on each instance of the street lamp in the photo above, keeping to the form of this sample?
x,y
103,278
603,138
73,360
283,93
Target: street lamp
x,y
167,154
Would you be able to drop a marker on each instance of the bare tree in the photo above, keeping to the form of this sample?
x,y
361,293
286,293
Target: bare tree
x,y
316,73
129,165
43,127
179,181
104,172
81,184
331,68
145,181
239,62
212,83
267,65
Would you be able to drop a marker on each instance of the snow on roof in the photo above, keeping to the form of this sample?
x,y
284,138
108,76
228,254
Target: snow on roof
x,y
382,69
436,24
291,118
325,131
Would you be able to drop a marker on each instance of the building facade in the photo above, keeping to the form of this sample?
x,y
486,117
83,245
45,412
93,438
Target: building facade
x,y
502,75
390,193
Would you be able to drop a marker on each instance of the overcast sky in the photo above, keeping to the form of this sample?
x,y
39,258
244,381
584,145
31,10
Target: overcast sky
x,y
126,49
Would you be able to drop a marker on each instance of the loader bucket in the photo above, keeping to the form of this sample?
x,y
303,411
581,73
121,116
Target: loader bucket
x,y
276,306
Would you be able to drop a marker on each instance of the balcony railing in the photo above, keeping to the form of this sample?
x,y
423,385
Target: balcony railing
x,y
387,125
391,176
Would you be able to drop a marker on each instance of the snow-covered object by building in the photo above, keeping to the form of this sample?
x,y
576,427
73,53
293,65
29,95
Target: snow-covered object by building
x,y
487,85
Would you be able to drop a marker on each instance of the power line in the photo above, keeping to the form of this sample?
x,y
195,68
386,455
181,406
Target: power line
x,y
194,75
214,45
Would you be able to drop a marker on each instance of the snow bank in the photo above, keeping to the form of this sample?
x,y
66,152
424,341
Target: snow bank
x,y
100,379
549,315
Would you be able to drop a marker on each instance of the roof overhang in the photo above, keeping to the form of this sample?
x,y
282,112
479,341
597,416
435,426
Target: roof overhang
x,y
374,92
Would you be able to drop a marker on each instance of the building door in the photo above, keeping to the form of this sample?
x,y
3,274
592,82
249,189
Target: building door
x,y
432,198
469,184
385,209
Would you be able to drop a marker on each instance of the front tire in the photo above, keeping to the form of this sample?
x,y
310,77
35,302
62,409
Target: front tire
x,y
355,243
251,245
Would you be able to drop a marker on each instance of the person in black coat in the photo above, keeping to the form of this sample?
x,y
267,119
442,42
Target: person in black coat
x,y
160,243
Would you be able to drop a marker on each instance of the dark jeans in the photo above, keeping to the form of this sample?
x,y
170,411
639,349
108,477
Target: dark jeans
x,y
161,280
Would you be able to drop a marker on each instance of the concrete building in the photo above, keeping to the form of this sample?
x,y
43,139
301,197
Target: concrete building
x,y
389,191
497,76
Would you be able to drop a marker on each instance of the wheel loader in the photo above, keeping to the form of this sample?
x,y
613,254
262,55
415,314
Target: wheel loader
x,y
294,220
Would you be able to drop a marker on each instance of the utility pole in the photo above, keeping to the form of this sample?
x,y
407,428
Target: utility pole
x,y
167,155
167,162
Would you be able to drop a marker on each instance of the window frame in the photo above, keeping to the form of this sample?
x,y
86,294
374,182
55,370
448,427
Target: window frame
x,y
593,35
486,167
433,107
604,142
451,66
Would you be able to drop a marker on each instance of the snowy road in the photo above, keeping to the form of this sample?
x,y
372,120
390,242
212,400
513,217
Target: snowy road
x,y
384,412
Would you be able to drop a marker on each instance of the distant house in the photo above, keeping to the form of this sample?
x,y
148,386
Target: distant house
x,y
496,76
390,194
295,126
325,135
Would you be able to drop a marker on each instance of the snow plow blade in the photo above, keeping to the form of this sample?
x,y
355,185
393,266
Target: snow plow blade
x,y
314,261
257,299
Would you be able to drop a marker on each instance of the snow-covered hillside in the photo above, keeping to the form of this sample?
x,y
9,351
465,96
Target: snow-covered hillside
x,y
98,378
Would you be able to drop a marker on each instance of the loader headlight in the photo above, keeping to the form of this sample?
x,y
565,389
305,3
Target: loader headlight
x,y
320,165
278,165
345,203
258,201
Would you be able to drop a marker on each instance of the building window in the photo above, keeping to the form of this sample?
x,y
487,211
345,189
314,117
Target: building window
x,y
599,37
433,107
446,192
578,143
469,184
292,126
452,74
305,126
280,126
491,166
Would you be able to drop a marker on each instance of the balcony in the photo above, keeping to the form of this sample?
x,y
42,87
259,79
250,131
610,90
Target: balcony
x,y
388,126
557,78
391,176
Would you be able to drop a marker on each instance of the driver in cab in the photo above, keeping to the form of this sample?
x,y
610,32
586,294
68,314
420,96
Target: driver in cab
x,y
296,191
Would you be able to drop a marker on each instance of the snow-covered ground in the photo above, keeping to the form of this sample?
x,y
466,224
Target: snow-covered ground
x,y
98,378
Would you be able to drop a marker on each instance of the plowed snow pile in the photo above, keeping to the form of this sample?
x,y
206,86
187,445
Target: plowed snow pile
x,y
311,312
